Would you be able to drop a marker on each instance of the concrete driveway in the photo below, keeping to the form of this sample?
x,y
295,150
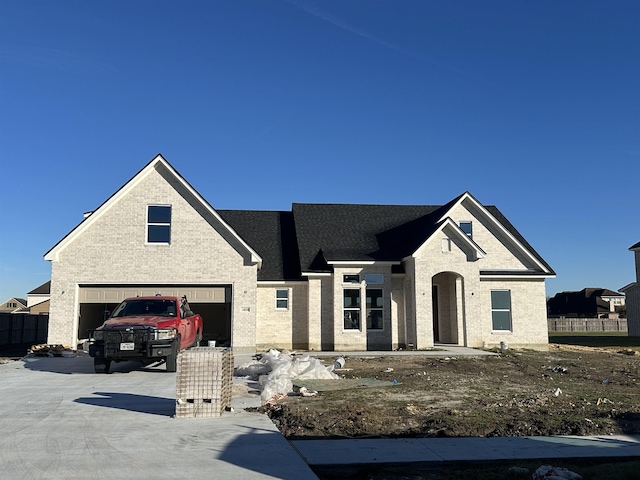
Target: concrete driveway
x,y
59,420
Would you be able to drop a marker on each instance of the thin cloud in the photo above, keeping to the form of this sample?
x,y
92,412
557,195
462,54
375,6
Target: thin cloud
x,y
276,123
311,9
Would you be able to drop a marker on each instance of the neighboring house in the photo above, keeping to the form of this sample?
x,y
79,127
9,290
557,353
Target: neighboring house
x,y
318,277
587,303
13,305
38,298
632,291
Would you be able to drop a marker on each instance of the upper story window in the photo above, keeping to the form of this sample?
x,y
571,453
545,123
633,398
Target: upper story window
x,y
159,224
351,278
467,227
282,299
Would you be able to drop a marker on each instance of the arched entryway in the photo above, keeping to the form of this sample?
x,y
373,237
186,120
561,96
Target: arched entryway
x,y
447,307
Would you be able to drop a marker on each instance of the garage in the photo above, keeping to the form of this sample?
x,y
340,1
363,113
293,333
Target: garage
x,y
212,302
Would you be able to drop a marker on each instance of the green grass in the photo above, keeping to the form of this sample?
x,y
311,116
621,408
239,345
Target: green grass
x,y
595,339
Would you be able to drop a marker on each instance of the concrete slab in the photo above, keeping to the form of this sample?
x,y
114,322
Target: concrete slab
x,y
60,420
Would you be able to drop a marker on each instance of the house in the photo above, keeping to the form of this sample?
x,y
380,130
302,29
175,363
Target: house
x,y
329,277
632,291
587,303
38,299
13,305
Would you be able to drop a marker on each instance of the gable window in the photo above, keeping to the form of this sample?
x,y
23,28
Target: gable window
x,y
446,245
501,310
282,299
351,308
374,309
467,228
158,224
351,278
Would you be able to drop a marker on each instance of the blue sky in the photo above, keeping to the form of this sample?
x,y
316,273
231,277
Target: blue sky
x,y
532,106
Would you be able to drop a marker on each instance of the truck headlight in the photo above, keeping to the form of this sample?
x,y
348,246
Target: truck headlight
x,y
166,334
98,335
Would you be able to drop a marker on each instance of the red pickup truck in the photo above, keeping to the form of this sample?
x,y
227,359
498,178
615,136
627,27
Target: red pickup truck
x,y
148,329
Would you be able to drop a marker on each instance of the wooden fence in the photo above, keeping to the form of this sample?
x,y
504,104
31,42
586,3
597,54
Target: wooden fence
x,y
23,328
564,324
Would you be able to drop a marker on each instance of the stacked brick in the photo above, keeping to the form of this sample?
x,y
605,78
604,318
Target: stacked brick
x,y
204,382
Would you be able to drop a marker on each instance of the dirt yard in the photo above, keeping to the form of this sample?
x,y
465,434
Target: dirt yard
x,y
566,391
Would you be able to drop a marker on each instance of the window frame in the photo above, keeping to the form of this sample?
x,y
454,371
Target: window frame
x,y
372,278
149,225
351,278
348,311
499,309
280,299
470,224
370,309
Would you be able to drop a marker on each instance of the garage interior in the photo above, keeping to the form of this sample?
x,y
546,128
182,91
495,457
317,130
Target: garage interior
x,y
212,303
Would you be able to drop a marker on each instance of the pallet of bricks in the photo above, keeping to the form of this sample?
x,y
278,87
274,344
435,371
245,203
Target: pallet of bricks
x,y
204,382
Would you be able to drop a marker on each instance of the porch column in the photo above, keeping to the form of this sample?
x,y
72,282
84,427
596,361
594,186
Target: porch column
x,y
424,313
315,314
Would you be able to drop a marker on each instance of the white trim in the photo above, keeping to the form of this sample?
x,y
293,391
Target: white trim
x,y
448,222
316,274
288,299
54,254
281,282
509,235
355,263
515,277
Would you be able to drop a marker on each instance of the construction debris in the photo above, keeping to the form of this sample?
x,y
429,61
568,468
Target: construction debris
x,y
276,371
547,472
47,350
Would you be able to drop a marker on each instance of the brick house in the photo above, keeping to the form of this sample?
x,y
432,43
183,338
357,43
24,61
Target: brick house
x,y
318,277
632,292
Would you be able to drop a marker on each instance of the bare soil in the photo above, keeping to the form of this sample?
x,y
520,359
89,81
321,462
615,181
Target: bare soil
x,y
567,391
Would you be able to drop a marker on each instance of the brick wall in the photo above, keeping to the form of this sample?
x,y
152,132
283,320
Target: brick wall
x,y
112,249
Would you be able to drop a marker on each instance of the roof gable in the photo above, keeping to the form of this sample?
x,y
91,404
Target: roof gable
x,y
502,228
158,164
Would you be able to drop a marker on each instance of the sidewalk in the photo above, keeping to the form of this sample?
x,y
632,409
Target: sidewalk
x,y
60,420
439,450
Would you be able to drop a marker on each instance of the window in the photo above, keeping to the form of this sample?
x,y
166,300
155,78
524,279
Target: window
x,y
467,228
351,308
374,308
158,224
351,278
501,310
374,278
282,299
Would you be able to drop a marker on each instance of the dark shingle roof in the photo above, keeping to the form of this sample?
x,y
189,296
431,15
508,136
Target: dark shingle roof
x,y
309,236
348,232
43,289
272,235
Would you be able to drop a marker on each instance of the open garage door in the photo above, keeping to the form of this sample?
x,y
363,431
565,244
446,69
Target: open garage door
x,y
212,302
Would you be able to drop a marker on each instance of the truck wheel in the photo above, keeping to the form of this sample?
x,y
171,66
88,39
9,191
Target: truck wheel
x,y
172,359
101,365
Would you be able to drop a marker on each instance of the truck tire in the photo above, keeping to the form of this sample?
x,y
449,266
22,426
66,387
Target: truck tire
x,y
101,365
172,359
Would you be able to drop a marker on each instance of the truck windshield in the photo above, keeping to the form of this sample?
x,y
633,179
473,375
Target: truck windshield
x,y
135,307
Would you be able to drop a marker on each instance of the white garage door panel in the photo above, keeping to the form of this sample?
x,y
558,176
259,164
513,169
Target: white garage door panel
x,y
88,294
